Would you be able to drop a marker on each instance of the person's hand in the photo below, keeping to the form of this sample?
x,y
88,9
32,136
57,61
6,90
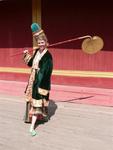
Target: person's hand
x,y
25,51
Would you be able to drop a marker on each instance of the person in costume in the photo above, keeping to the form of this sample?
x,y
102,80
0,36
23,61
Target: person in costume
x,y
39,84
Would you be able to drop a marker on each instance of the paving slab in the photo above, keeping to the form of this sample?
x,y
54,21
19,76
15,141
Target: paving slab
x,y
71,126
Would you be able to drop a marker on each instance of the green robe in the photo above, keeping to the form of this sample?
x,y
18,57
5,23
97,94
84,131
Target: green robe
x,y
43,76
42,79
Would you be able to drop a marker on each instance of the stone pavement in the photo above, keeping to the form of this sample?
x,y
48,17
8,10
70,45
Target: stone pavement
x,y
71,126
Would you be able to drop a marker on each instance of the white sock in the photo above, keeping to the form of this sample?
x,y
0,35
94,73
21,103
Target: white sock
x,y
34,118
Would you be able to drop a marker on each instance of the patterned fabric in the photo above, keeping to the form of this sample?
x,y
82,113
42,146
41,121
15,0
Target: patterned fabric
x,y
35,27
37,58
29,87
39,106
40,103
27,57
43,91
32,76
36,30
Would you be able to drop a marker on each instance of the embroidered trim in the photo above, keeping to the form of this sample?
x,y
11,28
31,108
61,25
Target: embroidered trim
x,y
27,57
37,33
43,91
37,58
40,103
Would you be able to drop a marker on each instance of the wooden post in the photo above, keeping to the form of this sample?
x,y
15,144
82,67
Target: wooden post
x,y
36,14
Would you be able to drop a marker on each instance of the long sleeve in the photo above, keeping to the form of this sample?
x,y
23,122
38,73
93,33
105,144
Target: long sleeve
x,y
28,59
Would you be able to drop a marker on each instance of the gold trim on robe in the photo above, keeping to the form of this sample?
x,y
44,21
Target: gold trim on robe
x,y
40,103
43,91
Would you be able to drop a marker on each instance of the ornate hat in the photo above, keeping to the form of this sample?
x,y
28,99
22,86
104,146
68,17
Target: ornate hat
x,y
36,29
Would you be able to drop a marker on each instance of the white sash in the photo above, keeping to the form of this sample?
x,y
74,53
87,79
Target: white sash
x,y
37,58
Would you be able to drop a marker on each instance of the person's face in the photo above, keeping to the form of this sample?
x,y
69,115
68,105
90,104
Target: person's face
x,y
41,44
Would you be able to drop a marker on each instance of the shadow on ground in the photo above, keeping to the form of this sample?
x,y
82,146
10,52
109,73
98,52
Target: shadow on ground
x,y
51,112
75,99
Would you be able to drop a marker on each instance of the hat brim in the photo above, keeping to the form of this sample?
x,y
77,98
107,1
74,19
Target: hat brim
x,y
37,33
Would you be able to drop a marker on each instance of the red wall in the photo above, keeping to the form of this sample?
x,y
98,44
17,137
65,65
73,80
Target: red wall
x,y
71,59
76,59
67,19
15,21
61,21
15,34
